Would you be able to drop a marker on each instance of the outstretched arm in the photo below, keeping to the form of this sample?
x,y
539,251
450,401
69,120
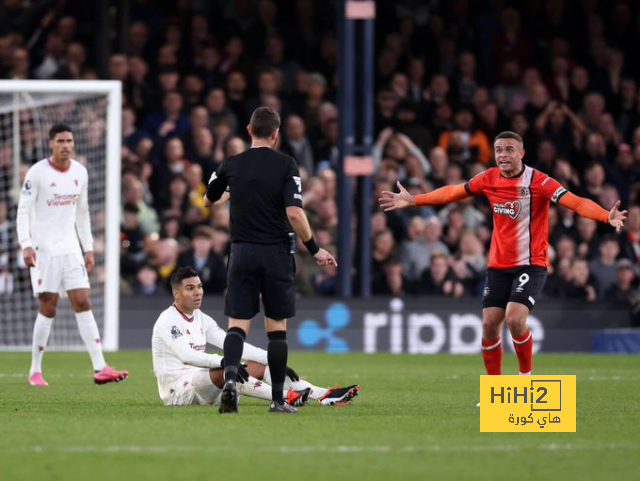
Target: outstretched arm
x,y
589,209
402,200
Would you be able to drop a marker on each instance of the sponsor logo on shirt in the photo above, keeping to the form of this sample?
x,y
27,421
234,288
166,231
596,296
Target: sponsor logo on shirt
x,y
511,209
61,200
556,195
175,332
298,182
27,185
197,347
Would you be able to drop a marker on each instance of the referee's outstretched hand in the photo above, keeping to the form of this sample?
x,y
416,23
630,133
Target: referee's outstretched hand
x,y
323,258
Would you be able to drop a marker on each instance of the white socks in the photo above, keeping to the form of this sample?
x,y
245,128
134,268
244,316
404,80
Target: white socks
x,y
255,388
91,337
41,331
315,393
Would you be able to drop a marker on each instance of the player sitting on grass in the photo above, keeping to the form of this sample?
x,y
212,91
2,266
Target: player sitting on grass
x,y
187,375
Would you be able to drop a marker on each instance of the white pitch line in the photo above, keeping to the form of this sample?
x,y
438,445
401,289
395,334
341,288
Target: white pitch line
x,y
346,449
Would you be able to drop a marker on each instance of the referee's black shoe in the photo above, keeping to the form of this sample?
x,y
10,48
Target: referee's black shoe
x,y
276,407
229,398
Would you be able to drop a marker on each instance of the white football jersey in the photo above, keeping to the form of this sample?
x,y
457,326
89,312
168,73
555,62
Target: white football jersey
x,y
53,211
178,344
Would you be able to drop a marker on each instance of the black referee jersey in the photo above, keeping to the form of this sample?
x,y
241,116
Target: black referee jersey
x,y
262,183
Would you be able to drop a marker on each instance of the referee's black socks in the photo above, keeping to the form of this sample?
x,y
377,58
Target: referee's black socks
x,y
277,353
233,347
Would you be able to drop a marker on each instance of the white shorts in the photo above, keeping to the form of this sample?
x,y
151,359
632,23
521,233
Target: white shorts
x,y
59,274
195,387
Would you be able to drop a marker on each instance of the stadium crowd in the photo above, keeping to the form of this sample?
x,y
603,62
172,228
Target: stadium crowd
x,y
449,76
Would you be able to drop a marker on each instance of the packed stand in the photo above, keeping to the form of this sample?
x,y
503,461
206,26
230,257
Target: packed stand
x,y
449,76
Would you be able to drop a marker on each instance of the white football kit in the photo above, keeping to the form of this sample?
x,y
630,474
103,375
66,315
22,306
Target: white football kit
x,y
180,362
53,214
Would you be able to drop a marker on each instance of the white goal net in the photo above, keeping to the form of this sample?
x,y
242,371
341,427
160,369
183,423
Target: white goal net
x,y
28,109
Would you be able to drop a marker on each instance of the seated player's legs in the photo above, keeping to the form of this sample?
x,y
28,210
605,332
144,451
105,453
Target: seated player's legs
x,y
195,387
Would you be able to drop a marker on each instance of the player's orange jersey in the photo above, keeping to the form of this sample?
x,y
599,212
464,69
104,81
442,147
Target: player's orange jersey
x,y
520,208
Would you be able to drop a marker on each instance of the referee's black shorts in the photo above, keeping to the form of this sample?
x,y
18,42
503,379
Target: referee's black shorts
x,y
260,269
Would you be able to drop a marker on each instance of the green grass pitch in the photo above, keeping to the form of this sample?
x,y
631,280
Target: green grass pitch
x,y
415,418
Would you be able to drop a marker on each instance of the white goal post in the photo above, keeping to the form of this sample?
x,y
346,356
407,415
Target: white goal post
x,y
28,109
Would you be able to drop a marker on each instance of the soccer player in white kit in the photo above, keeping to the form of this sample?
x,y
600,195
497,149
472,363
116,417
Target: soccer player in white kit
x,y
187,375
53,213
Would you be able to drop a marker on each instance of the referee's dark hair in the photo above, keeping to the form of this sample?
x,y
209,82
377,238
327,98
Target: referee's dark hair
x,y
180,274
58,129
264,121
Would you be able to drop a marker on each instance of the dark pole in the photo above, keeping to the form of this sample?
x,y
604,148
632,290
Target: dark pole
x,y
345,148
103,40
124,22
364,219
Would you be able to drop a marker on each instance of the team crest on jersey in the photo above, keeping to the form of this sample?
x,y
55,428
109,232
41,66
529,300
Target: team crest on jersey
x,y
523,191
175,332
511,209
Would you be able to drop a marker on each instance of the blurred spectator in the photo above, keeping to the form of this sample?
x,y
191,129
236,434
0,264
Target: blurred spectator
x,y
382,252
417,253
625,285
400,148
132,236
469,266
147,216
437,279
147,282
475,145
631,235
604,267
216,103
205,261
581,285
296,144
170,120
325,282
410,250
587,239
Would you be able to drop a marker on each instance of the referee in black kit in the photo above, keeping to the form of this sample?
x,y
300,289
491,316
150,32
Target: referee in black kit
x,y
266,203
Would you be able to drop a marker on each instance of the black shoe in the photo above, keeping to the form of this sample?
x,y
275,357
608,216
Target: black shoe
x,y
229,398
282,408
